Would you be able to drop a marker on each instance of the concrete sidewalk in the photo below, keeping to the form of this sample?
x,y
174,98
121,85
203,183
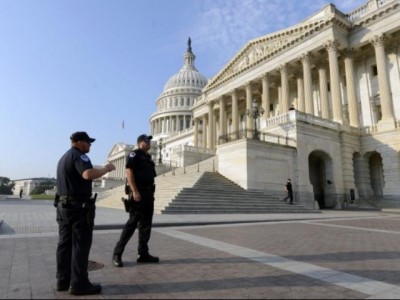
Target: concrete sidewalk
x,y
334,254
39,216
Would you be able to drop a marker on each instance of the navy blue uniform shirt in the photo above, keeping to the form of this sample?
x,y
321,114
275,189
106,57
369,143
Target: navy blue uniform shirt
x,y
143,167
69,174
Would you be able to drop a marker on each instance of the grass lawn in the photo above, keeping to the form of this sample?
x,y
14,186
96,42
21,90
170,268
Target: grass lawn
x,y
42,197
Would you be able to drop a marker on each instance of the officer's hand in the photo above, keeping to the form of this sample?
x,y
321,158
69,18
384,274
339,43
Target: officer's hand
x,y
136,196
110,167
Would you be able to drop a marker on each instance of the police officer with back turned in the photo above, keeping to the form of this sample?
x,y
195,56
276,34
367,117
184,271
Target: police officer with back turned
x,y
75,215
140,174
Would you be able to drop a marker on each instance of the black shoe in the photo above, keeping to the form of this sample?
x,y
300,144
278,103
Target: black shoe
x,y
91,289
62,285
117,262
147,258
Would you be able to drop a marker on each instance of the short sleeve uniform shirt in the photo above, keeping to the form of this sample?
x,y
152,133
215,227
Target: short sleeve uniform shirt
x,y
143,167
69,174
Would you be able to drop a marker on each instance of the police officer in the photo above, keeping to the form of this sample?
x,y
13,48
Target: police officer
x,y
140,173
75,215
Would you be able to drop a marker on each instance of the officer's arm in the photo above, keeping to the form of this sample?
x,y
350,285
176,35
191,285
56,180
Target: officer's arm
x,y
132,183
93,173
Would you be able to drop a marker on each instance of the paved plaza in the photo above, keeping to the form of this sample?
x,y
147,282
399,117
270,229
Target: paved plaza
x,y
334,254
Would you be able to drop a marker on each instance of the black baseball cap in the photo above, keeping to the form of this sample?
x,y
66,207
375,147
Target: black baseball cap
x,y
144,137
81,136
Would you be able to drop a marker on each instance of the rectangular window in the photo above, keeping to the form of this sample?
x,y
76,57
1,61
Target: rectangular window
x,y
374,70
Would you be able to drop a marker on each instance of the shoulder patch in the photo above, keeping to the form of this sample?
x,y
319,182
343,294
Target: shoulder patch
x,y
132,154
85,158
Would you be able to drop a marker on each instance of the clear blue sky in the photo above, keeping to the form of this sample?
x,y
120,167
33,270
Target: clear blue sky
x,y
71,65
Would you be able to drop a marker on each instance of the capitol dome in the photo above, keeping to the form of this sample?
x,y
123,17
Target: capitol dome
x,y
188,76
174,106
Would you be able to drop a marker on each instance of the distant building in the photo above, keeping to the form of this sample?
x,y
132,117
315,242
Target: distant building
x,y
28,184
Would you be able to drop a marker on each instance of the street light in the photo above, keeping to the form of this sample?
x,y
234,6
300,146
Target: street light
x,y
255,113
160,146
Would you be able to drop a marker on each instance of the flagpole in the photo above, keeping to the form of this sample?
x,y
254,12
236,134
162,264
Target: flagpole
x,y
123,131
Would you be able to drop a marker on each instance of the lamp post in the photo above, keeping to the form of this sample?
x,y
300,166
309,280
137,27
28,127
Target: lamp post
x,y
160,146
255,113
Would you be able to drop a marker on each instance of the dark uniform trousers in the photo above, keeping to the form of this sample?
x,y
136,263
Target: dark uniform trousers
x,y
76,233
141,218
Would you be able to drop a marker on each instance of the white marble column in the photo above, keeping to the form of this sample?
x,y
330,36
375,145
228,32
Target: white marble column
x,y
265,98
300,93
279,88
284,104
222,120
205,131
308,99
235,114
323,90
196,132
351,88
249,99
383,79
177,125
332,48
211,126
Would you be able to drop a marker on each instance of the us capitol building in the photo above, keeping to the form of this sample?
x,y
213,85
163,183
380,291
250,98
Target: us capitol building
x,y
318,102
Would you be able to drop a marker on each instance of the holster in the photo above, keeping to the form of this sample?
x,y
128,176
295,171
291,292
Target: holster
x,y
130,204
56,200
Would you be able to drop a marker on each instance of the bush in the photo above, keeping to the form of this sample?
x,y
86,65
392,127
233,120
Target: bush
x,y
6,186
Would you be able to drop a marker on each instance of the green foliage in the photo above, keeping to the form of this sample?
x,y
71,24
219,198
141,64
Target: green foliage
x,y
42,197
6,186
42,187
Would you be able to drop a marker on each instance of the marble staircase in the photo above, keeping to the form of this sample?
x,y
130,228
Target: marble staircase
x,y
168,185
213,193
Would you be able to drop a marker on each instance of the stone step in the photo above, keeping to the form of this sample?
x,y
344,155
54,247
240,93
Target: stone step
x,y
214,211
213,193
168,185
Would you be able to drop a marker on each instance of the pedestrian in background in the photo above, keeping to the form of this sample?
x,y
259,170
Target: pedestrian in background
x,y
140,174
289,190
75,215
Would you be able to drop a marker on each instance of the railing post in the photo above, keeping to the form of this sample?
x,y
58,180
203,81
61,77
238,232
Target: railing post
x,y
198,167
213,166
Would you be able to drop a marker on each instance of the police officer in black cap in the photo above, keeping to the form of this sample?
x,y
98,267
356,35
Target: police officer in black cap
x,y
140,174
75,215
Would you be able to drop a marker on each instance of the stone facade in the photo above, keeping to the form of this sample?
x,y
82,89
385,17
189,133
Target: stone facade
x,y
341,143
341,73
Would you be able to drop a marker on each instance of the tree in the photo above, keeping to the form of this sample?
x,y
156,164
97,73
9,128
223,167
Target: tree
x,y
6,186
42,187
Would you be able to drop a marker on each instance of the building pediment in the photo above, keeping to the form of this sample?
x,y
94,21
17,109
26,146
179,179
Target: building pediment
x,y
118,148
260,49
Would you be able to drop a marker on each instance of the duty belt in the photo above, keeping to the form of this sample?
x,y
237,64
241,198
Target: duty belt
x,y
78,200
66,198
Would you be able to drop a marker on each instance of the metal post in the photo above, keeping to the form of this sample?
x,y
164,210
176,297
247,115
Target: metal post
x,y
255,113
